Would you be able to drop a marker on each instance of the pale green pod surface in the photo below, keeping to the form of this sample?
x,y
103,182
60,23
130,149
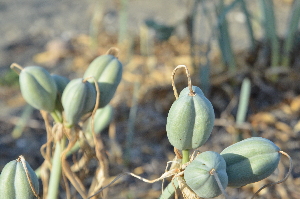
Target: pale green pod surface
x,y
102,119
78,99
38,88
14,183
198,177
250,160
109,81
61,83
190,120
186,91
97,66
107,70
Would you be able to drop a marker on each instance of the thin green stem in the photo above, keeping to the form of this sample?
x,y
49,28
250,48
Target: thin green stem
x,y
56,170
269,24
56,116
131,123
243,106
185,156
291,33
123,21
248,24
169,191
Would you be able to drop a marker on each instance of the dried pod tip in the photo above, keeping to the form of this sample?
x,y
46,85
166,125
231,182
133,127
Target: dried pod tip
x,y
113,51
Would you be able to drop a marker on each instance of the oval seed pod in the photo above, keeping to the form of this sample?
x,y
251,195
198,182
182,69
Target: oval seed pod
x,y
78,99
199,178
61,83
107,70
250,160
38,88
14,183
190,120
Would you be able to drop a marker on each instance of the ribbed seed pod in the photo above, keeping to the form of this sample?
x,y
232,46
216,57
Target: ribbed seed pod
x,y
14,183
190,120
61,83
199,178
107,70
102,119
78,99
250,160
38,88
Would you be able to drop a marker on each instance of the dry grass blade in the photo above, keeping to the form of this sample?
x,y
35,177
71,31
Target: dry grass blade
x,y
22,159
67,187
113,51
102,174
76,182
186,190
163,176
15,65
189,80
47,154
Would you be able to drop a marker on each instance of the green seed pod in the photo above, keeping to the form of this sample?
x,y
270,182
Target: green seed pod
x,y
38,88
199,178
190,120
102,119
250,160
61,83
14,183
107,70
78,99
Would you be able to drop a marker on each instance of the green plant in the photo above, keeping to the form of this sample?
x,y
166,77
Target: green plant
x,y
189,125
245,162
243,106
71,103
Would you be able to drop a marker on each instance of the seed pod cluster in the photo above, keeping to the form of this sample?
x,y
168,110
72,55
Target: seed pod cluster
x,y
189,125
57,94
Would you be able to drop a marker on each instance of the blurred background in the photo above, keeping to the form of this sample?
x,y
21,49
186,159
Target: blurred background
x,y
244,55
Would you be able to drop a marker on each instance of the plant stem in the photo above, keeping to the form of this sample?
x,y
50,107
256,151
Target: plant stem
x,y
290,35
18,130
248,24
169,190
185,156
131,123
56,116
243,106
224,36
123,19
269,24
56,170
